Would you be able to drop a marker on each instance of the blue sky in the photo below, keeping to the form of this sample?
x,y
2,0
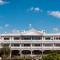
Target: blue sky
x,y
17,15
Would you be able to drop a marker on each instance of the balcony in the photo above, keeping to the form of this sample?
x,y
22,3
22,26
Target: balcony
x,y
36,48
25,48
14,41
47,48
15,48
56,48
30,41
5,41
47,41
56,41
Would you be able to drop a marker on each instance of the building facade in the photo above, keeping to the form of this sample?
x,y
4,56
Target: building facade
x,y
31,42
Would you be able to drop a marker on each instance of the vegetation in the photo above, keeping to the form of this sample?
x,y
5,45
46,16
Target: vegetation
x,y
51,56
5,53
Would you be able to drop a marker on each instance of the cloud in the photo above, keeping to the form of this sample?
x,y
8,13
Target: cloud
x,y
6,25
1,27
56,29
16,31
35,9
2,2
54,13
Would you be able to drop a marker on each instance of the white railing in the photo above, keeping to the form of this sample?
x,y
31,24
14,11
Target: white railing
x,y
30,41
15,48
47,48
25,48
5,41
47,41
14,41
56,48
56,41
35,48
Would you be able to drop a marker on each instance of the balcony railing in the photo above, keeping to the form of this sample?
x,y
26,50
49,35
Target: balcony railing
x,y
29,41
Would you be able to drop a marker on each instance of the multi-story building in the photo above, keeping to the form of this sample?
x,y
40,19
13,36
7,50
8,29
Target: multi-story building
x,y
31,42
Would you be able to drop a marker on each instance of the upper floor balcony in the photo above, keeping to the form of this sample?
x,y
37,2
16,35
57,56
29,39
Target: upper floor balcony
x,y
30,41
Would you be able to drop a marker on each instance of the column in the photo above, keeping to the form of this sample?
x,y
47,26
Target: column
x,y
43,38
20,49
53,42
10,47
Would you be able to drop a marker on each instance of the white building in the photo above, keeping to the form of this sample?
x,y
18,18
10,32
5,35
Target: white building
x,y
31,42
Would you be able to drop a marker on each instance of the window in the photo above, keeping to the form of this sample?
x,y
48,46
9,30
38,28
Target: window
x,y
16,38
26,37
31,37
6,38
36,37
36,52
37,44
56,37
47,44
5,44
26,44
57,44
15,44
26,52
47,38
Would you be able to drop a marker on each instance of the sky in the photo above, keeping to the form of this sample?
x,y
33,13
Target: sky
x,y
20,15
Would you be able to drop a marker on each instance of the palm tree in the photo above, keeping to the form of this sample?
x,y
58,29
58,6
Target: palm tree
x,y
52,56
5,52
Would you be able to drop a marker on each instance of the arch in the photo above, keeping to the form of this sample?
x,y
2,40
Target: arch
x,y
26,52
15,52
36,52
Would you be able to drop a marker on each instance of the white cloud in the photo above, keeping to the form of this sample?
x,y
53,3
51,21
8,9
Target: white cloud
x,y
56,29
1,27
6,25
35,9
54,13
31,9
2,2
15,31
